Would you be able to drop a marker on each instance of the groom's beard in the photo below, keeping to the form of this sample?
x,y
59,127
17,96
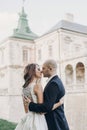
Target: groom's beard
x,y
47,75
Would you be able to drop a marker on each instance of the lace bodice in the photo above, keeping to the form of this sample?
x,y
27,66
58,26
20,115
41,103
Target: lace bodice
x,y
29,92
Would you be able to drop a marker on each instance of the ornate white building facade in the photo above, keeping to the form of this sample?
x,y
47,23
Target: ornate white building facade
x,y
67,44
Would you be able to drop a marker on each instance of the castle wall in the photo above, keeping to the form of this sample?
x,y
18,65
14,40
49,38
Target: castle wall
x,y
69,50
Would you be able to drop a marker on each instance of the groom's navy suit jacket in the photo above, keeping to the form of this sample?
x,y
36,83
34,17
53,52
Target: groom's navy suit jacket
x,y
53,92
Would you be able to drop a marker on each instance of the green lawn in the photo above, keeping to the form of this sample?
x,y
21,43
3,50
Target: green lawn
x,y
6,125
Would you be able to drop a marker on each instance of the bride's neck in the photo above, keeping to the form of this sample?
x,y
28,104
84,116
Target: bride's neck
x,y
34,80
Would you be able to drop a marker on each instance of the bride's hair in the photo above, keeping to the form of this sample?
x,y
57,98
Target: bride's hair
x,y
29,73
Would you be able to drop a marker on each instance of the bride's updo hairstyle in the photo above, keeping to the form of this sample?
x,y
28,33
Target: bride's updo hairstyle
x,y
29,73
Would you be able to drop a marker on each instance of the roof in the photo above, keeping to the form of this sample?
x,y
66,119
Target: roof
x,y
71,26
23,30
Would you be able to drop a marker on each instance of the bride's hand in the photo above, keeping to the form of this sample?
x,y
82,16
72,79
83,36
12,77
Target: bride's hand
x,y
38,81
62,100
26,100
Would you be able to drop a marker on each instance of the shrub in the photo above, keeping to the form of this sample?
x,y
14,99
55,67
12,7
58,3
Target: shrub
x,y
6,125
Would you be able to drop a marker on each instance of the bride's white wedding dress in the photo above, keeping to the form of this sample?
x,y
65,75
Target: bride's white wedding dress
x,y
32,120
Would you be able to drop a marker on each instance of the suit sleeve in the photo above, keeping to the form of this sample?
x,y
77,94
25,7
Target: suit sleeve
x,y
50,98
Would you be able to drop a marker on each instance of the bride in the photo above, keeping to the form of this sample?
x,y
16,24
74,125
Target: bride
x,y
32,88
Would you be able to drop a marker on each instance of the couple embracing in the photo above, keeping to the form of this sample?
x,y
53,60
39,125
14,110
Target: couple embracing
x,y
44,109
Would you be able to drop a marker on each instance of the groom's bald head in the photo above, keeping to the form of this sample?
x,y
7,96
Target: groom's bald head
x,y
51,64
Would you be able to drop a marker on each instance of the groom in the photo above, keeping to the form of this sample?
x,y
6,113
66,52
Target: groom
x,y
53,92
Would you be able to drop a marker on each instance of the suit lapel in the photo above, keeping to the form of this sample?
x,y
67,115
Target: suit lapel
x,y
50,81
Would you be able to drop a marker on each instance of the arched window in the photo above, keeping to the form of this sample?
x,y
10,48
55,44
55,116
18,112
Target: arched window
x,y
69,74
80,73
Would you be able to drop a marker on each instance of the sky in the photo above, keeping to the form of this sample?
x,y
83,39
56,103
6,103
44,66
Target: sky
x,y
42,15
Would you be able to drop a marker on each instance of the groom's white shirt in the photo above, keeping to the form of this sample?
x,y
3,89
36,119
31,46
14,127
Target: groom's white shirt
x,y
50,78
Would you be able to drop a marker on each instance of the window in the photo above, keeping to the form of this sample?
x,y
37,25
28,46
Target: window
x,y
50,50
25,55
69,74
80,73
39,54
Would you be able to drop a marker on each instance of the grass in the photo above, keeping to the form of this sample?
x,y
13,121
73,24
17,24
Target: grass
x,y
6,125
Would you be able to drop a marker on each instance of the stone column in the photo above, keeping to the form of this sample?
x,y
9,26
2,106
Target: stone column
x,y
74,77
